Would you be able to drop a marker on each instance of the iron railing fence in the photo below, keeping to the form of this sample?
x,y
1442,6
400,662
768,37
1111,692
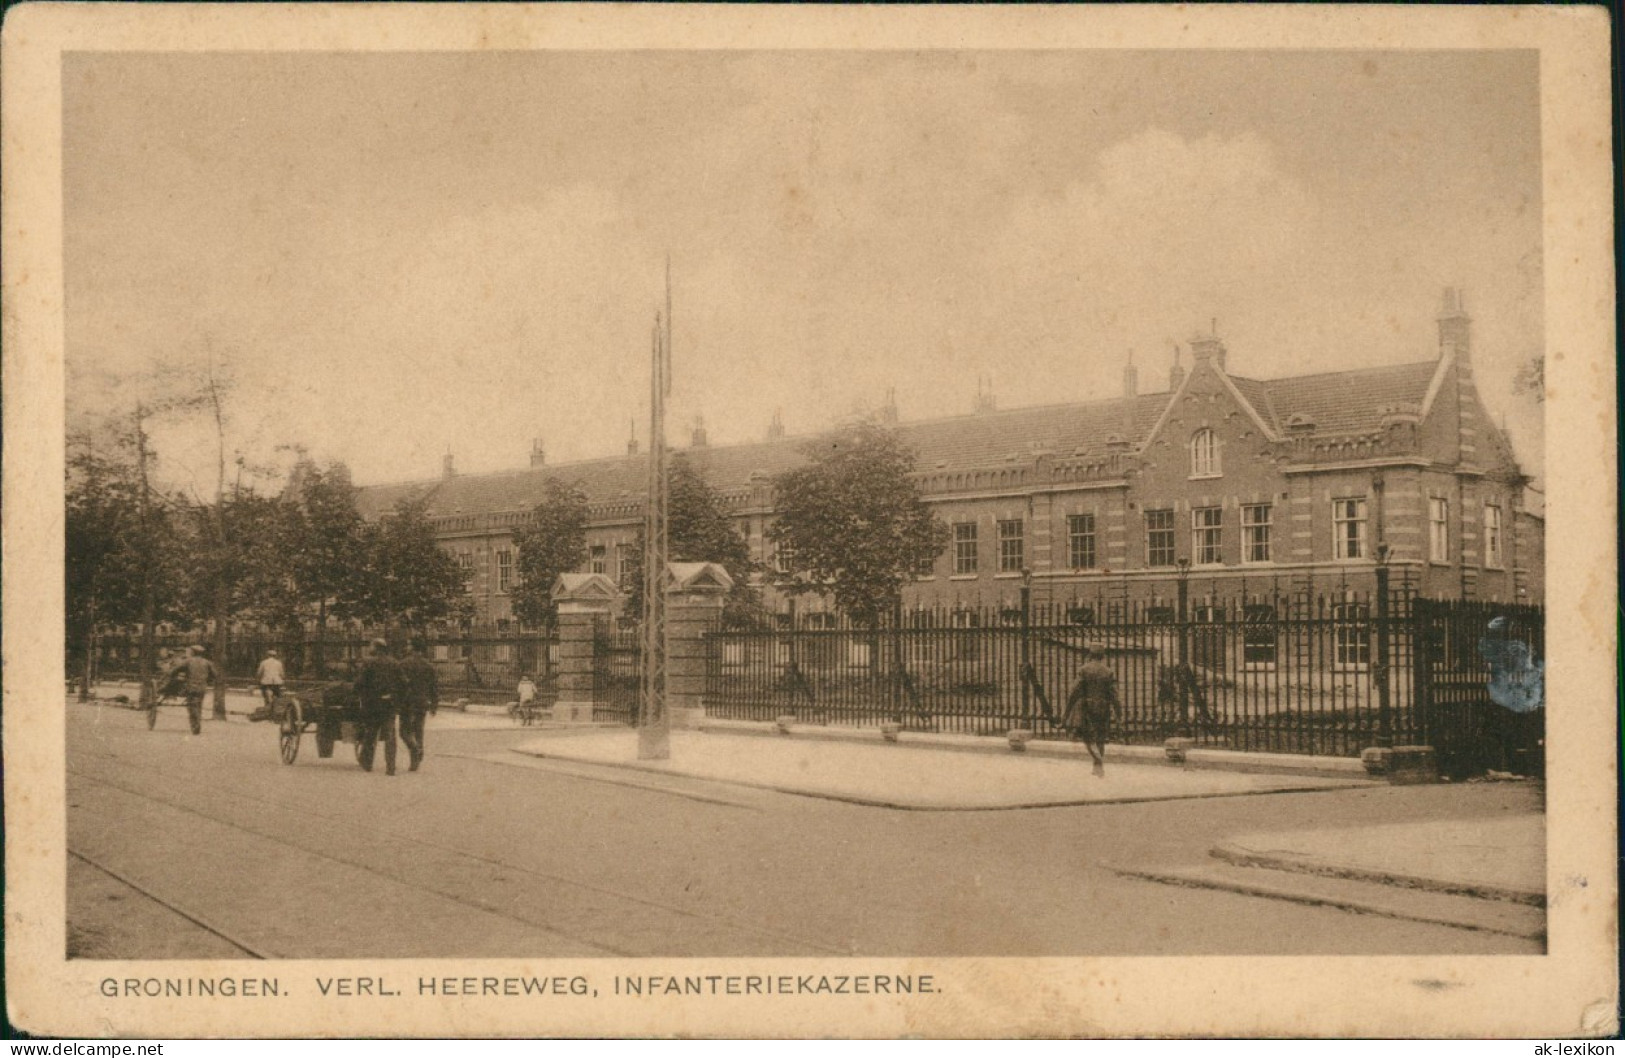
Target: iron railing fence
x,y
479,666
1277,666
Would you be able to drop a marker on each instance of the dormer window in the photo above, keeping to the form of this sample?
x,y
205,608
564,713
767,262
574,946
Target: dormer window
x,y
1204,454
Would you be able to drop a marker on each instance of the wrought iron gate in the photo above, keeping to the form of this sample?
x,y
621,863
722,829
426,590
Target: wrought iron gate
x,y
615,672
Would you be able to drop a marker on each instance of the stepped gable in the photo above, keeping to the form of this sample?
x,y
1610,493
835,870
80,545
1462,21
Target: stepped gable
x,y
1348,402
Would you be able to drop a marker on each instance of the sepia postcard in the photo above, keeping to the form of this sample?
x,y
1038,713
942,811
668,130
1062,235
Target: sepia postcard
x,y
805,521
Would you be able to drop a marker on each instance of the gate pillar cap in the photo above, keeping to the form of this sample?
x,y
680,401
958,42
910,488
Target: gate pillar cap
x,y
703,577
584,587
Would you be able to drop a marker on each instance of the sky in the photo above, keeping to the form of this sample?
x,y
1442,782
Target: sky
x,y
397,256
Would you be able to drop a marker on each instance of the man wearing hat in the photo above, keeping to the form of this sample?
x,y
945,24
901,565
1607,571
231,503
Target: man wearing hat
x,y
1088,715
195,673
420,694
270,678
378,690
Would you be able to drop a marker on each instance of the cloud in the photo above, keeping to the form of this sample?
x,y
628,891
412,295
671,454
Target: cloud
x,y
1164,228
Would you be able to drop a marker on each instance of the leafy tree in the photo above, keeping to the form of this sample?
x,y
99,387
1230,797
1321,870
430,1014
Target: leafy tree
x,y
123,551
242,546
408,580
268,534
117,555
553,541
327,562
699,530
852,524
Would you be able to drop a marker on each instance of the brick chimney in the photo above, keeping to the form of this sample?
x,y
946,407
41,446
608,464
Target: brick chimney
x,y
1455,345
538,452
448,468
632,437
1131,389
1176,374
697,438
775,429
1208,348
1455,326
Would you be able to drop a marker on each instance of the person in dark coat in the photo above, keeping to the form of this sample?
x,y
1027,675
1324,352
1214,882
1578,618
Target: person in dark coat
x,y
378,692
420,694
194,673
1088,715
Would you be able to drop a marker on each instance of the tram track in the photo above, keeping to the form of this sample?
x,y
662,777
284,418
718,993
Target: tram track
x,y
169,905
553,881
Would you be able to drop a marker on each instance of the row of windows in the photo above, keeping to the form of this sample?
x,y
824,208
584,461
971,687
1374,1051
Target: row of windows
x,y
1012,546
1349,541
597,562
1350,537
1439,532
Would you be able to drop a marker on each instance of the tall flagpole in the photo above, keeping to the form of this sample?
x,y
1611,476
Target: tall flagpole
x,y
654,720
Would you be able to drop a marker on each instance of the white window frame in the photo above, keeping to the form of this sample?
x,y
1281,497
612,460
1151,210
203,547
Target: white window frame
x,y
623,566
1439,530
1207,536
1351,636
465,563
1349,513
1080,541
1012,534
598,559
1150,549
1256,542
966,549
504,570
1494,538
1205,462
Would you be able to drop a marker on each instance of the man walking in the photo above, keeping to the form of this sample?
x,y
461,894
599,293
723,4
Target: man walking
x,y
1089,707
420,694
270,678
195,673
378,690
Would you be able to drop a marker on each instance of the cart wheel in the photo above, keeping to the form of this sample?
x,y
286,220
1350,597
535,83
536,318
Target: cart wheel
x,y
293,725
324,741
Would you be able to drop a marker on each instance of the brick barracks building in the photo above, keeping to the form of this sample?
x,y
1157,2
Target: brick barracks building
x,y
1248,480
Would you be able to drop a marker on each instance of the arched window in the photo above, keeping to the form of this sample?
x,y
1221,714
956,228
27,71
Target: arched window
x,y
1204,454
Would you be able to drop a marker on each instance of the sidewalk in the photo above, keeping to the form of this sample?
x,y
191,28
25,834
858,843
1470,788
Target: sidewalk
x,y
913,776
1493,859
1483,874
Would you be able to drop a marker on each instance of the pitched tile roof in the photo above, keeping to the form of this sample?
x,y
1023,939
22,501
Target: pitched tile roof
x,y
1340,402
1348,402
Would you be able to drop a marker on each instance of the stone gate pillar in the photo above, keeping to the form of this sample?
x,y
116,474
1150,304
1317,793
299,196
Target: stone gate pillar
x,y
583,599
695,592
